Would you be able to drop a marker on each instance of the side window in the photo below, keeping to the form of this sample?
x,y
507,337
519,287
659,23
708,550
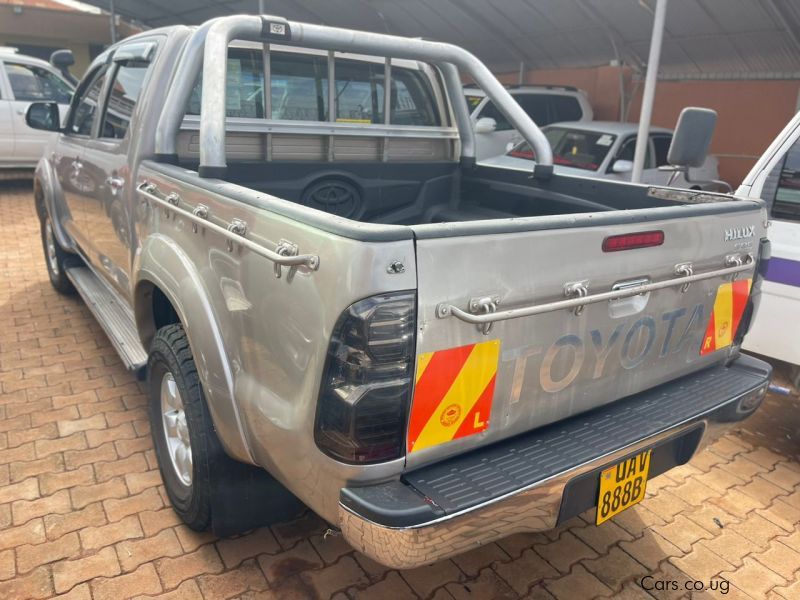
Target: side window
x,y
628,149
125,89
787,195
85,109
537,106
566,108
661,144
490,110
35,84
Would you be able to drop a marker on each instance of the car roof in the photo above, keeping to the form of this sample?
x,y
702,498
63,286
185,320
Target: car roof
x,y
613,127
11,54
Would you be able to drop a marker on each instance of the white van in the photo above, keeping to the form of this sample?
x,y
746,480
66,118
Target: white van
x,y
776,179
25,79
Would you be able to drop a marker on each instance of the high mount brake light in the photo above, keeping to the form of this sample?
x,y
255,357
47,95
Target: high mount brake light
x,y
631,241
366,387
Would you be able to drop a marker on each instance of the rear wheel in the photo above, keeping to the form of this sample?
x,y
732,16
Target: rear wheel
x,y
183,435
56,259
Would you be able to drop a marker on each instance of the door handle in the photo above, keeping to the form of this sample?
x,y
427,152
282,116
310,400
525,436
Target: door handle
x,y
115,183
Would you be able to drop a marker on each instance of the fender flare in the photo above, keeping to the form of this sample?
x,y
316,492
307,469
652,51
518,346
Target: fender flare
x,y
46,179
163,264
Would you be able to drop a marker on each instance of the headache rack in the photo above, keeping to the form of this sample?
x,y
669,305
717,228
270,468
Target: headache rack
x,y
207,49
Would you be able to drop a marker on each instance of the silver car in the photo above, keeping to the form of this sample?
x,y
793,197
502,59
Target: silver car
x,y
25,79
605,149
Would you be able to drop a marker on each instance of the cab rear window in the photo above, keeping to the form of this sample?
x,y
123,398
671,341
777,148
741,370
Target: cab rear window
x,y
299,90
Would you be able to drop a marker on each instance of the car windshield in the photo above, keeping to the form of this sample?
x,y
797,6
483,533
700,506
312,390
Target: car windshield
x,y
571,147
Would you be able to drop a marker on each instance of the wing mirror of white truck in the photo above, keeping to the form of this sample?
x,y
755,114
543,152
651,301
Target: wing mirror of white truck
x,y
485,125
690,144
62,60
622,166
692,137
44,116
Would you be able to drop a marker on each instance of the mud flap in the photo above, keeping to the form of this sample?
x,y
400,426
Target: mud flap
x,y
244,497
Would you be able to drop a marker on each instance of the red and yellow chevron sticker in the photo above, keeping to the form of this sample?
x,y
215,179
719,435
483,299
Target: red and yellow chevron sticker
x,y
728,309
453,394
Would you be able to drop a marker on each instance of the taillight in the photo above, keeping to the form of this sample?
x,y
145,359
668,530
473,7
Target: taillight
x,y
366,387
630,241
754,299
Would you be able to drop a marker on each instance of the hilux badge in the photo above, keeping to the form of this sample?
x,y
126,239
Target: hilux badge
x,y
740,233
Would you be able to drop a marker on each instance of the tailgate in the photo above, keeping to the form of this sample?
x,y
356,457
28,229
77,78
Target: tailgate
x,y
477,384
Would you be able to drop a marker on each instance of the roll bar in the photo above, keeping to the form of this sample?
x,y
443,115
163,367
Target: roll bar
x,y
215,36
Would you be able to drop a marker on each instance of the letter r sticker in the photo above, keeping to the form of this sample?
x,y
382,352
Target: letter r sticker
x,y
453,394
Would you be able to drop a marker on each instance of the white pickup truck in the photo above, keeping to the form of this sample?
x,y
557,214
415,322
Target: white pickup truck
x,y
776,179
282,226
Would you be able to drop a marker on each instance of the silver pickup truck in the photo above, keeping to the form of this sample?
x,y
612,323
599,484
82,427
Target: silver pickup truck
x,y
283,228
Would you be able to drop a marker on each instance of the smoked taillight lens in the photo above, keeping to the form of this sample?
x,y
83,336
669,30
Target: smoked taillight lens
x,y
366,387
631,241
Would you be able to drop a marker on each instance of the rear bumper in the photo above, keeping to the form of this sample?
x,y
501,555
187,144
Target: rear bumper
x,y
533,482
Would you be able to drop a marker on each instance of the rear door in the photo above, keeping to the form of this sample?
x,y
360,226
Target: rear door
x,y
475,385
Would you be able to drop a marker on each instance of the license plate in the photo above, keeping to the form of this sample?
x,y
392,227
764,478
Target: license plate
x,y
622,486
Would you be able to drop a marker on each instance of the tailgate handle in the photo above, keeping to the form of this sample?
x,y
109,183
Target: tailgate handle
x,y
734,264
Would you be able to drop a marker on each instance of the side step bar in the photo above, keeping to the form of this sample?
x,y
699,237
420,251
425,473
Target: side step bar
x,y
114,316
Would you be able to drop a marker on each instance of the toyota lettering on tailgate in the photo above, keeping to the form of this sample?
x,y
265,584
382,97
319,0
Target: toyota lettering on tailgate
x,y
629,344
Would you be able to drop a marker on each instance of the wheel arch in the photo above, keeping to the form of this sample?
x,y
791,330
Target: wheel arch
x,y
169,289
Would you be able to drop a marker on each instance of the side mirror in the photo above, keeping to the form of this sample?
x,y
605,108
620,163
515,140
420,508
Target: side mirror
x,y
622,166
692,138
44,116
485,125
63,60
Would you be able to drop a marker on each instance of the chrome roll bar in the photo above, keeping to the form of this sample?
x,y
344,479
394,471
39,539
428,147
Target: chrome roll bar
x,y
215,36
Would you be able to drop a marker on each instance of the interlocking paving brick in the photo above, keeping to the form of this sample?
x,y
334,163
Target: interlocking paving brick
x,y
754,578
579,583
143,580
528,570
565,552
83,512
423,580
93,538
302,557
174,571
392,587
614,568
248,577
70,572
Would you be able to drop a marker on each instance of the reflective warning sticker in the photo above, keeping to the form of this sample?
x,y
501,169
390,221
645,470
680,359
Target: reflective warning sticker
x,y
453,394
728,309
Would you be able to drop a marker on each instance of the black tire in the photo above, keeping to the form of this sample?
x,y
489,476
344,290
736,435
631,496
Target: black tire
x,y
56,259
170,354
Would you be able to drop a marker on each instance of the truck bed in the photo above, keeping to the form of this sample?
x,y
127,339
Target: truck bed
x,y
417,193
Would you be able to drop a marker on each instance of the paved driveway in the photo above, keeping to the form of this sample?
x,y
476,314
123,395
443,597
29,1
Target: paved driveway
x,y
83,512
